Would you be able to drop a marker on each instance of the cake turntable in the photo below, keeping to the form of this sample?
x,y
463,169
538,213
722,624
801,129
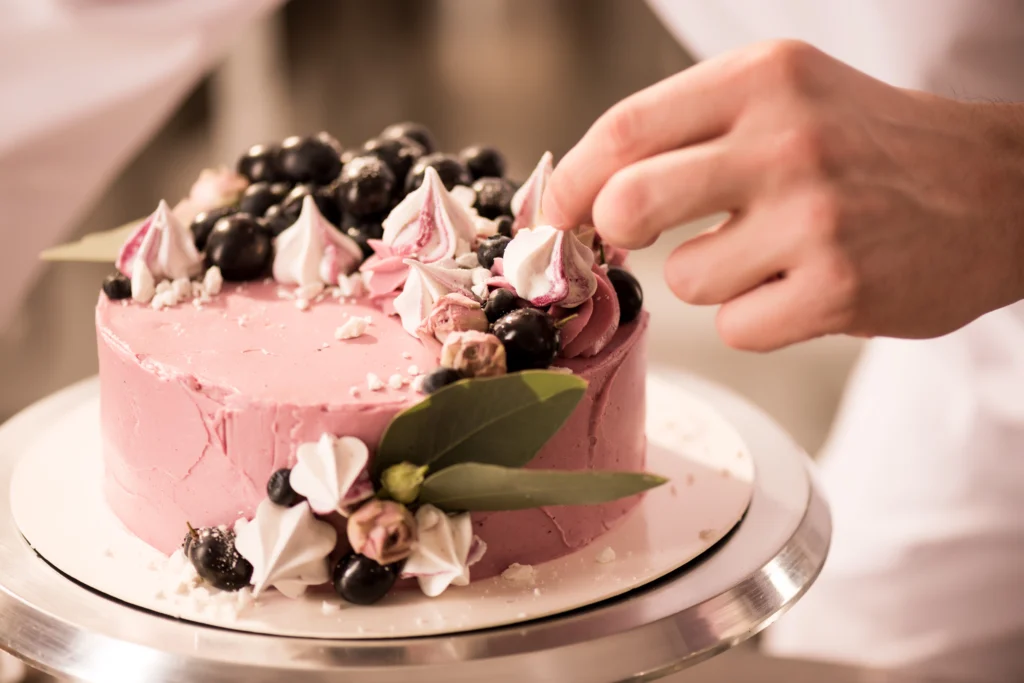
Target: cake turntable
x,y
727,595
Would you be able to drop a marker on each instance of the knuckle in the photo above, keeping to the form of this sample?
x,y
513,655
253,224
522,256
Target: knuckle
x,y
843,286
801,148
783,63
623,206
621,129
820,217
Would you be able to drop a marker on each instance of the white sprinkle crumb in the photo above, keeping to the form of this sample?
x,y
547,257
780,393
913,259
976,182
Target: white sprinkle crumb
x,y
413,370
302,304
360,629
182,288
309,291
419,621
521,615
213,280
352,328
417,383
468,260
605,556
406,355
353,391
536,591
164,299
325,345
329,607
558,368
351,285
396,381
163,286
373,382
283,293
243,320
520,573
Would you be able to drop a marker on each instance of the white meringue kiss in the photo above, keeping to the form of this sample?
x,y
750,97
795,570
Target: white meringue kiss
x,y
526,201
331,473
161,245
313,252
429,224
549,266
287,547
444,551
428,282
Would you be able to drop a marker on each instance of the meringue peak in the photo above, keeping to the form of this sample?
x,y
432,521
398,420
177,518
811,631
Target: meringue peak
x,y
331,473
287,547
429,223
312,251
548,266
526,202
425,285
164,245
445,549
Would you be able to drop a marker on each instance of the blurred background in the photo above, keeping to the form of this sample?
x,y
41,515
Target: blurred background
x,y
523,75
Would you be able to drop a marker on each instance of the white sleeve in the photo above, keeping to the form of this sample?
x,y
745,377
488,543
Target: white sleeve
x,y
83,85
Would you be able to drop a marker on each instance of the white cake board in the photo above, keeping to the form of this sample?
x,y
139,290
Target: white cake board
x,y
57,503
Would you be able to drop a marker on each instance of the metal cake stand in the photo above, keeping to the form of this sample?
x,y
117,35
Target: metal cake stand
x,y
753,577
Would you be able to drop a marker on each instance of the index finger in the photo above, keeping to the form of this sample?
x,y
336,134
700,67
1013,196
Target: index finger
x,y
693,106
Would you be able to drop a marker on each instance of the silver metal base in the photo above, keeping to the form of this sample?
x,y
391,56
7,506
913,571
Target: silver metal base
x,y
763,568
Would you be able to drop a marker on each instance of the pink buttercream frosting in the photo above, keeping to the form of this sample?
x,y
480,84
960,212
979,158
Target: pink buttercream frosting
x,y
201,405
595,323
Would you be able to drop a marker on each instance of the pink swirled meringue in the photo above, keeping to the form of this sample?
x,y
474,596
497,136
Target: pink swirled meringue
x,y
312,251
426,285
596,321
526,201
429,224
549,266
163,245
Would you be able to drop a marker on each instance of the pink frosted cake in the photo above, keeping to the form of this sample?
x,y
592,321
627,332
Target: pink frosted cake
x,y
307,365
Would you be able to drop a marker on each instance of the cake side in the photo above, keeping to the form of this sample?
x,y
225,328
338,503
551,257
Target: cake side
x,y
182,443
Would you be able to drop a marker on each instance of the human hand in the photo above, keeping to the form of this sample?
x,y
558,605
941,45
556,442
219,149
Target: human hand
x,y
855,207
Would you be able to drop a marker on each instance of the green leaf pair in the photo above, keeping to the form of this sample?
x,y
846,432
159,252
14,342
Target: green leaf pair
x,y
476,435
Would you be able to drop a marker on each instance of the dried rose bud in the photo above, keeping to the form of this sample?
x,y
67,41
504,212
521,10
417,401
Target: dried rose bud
x,y
382,530
474,354
453,313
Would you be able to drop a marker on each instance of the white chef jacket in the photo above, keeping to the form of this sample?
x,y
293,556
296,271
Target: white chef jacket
x,y
925,469
925,466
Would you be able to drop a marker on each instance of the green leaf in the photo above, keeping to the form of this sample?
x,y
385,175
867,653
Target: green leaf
x,y
477,487
499,420
98,247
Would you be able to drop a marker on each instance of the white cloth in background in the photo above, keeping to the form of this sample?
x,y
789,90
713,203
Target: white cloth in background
x,y
925,466
84,84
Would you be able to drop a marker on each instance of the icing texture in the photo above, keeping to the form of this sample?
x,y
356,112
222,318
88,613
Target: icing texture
x,y
199,406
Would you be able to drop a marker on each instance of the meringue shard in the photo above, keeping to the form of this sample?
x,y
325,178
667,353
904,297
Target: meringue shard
x,y
331,473
526,201
164,245
287,547
444,551
549,266
312,251
426,284
429,223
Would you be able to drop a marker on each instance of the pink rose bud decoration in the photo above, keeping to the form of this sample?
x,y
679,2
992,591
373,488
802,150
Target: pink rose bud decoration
x,y
216,188
473,353
453,313
383,531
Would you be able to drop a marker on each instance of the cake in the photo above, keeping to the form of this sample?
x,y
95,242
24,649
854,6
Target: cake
x,y
264,339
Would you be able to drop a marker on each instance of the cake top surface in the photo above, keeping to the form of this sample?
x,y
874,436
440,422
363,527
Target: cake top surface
x,y
252,338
